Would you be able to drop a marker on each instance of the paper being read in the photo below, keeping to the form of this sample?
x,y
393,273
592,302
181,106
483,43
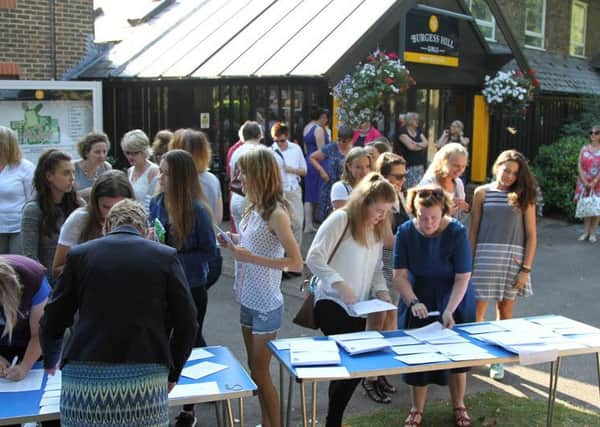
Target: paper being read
x,y
33,381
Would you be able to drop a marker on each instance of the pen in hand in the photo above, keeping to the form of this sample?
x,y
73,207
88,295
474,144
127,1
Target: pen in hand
x,y
14,361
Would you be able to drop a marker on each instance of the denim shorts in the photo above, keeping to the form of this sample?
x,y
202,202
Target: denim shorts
x,y
261,323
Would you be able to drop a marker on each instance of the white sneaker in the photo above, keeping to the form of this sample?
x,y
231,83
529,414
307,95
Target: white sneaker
x,y
592,238
496,371
582,238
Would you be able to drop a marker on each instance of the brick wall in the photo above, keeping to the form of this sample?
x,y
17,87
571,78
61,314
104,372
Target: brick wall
x,y
25,36
592,44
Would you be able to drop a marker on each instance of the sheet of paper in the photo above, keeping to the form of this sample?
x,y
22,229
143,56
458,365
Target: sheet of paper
x,y
224,235
413,349
375,305
51,393
314,345
364,346
432,331
356,336
587,340
284,343
575,328
327,372
481,329
448,340
524,327
422,358
311,358
46,401
200,353
457,349
535,353
474,356
191,390
54,382
202,370
49,409
33,381
395,341
551,320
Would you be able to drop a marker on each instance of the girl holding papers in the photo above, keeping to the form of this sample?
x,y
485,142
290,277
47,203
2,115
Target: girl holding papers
x,y
434,249
354,232
264,248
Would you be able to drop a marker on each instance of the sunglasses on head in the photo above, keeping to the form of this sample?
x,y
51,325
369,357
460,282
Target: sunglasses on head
x,y
595,132
399,176
437,192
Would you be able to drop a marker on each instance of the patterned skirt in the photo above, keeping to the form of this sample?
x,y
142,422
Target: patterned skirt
x,y
102,395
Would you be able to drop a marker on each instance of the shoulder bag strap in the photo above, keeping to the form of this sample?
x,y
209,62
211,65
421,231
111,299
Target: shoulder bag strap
x,y
339,242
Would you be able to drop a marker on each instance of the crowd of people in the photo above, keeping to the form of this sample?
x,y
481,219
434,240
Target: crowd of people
x,y
73,234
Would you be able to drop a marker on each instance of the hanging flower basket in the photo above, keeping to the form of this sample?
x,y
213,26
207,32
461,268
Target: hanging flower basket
x,y
362,94
509,93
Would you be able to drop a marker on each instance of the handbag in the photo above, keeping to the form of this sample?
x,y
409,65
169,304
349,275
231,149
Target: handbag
x,y
236,182
305,316
588,205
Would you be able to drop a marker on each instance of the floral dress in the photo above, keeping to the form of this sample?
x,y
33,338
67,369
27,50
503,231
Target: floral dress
x,y
334,166
590,164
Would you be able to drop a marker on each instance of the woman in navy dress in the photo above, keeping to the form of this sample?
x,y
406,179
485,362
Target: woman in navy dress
x,y
315,137
433,248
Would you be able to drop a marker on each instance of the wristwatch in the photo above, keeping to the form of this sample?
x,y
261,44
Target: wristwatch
x,y
415,301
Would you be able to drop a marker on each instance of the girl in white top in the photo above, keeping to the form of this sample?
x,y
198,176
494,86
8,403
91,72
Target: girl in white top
x,y
143,173
16,188
357,165
355,271
265,235
448,165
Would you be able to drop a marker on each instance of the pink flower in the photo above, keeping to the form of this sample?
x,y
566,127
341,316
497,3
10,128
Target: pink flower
x,y
393,55
531,72
536,82
388,81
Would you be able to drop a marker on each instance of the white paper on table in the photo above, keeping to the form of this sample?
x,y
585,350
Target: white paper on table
x,y
313,345
326,372
202,369
356,336
284,343
47,401
454,339
422,358
575,328
481,328
473,356
32,381
49,409
551,320
364,346
375,305
587,340
524,327
54,382
458,349
396,341
51,393
414,349
432,331
200,353
192,390
504,339
535,353
309,358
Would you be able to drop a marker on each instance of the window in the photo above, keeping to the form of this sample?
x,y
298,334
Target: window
x,y
484,18
578,28
535,22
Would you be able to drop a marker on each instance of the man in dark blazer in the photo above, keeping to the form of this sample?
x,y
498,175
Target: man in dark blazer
x,y
132,296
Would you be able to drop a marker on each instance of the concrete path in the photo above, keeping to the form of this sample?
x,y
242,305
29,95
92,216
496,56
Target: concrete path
x,y
565,281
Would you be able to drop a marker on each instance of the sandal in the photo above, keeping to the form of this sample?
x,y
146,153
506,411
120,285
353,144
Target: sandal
x,y
385,385
411,419
461,417
374,392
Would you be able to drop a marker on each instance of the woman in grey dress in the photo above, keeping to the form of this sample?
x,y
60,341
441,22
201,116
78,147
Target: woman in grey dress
x,y
503,238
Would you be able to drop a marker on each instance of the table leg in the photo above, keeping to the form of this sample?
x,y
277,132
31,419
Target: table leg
x,y
229,413
554,370
241,412
598,369
218,414
303,402
290,395
314,404
281,392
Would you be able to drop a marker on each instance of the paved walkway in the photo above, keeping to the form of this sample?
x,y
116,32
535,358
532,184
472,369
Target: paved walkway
x,y
565,281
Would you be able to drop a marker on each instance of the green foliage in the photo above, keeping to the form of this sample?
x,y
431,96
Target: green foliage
x,y
555,167
590,116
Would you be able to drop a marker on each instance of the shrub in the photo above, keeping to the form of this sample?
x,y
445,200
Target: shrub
x,y
589,116
555,167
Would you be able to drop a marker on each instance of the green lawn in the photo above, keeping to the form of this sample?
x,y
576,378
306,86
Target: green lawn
x,y
487,409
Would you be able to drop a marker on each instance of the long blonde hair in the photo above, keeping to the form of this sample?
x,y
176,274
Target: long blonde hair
x,y
263,187
11,291
10,152
373,188
438,168
354,154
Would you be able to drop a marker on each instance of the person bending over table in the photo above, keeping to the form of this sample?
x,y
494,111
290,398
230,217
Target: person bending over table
x,y
136,327
434,248
354,273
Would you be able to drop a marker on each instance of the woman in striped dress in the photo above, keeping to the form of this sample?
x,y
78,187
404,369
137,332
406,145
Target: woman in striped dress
x,y
503,238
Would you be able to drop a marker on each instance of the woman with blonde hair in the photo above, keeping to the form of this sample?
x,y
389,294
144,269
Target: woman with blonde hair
x,y
143,173
196,143
264,248
448,164
432,268
357,230
357,164
160,145
16,175
24,292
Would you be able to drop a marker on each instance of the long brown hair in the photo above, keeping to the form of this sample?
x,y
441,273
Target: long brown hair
x,y
112,183
194,142
182,192
373,188
263,187
47,164
524,190
11,291
354,154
